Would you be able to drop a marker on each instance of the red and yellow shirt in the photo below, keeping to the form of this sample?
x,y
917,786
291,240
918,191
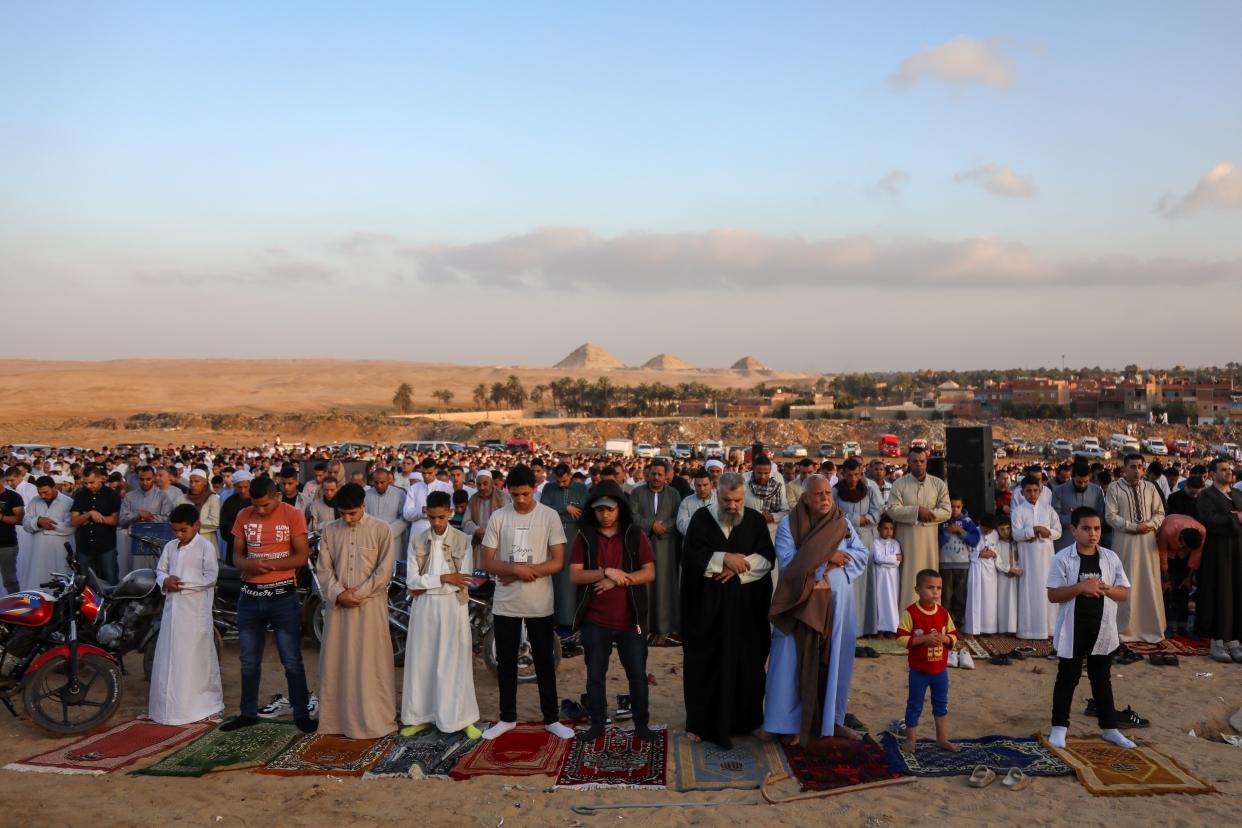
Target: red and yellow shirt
x,y
917,620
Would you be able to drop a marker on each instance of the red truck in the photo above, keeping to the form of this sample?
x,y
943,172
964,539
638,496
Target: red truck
x,y
890,446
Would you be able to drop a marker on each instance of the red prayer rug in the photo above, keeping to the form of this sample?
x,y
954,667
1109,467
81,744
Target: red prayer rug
x,y
1179,645
113,749
321,754
840,763
618,759
527,750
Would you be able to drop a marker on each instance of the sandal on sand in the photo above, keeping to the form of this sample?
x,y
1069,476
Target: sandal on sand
x,y
1000,660
982,777
1016,780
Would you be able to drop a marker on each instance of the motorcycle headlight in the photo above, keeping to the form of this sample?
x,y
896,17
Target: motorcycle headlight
x,y
108,634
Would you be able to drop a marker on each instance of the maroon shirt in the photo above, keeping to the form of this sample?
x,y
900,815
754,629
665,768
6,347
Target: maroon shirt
x,y
611,610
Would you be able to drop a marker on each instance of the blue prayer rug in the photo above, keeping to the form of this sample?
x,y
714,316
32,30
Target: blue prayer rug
x,y
1000,753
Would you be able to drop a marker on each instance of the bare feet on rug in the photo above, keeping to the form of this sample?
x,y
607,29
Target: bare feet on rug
x,y
843,732
909,744
945,744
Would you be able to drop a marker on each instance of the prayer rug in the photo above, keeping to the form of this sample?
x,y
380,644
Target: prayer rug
x,y
427,755
527,750
704,766
973,646
1005,644
113,749
839,763
618,759
1178,645
217,750
1107,770
883,646
322,754
1000,753
1145,648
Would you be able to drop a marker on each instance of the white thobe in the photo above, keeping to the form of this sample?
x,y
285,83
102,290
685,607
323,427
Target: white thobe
x,y
1036,614
1006,588
185,678
28,492
438,684
45,550
886,583
688,507
981,616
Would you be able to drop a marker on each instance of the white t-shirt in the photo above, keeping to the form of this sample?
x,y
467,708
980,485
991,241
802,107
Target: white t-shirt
x,y
525,538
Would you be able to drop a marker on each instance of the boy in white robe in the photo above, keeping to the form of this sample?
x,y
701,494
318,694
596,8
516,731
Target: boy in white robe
x,y
185,678
1008,572
981,617
1036,525
886,576
438,687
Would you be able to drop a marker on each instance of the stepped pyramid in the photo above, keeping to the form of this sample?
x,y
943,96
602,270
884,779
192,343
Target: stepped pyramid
x,y
749,363
667,362
589,355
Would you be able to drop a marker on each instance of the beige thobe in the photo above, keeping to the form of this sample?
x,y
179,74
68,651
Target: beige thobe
x,y
1125,507
357,697
920,542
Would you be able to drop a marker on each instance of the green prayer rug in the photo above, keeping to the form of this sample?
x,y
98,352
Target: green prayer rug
x,y
217,751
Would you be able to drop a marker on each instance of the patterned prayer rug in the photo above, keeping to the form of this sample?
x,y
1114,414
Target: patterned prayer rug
x,y
704,766
883,646
618,759
217,751
527,750
1000,753
321,754
1178,645
1107,770
1005,644
427,755
974,647
839,763
113,749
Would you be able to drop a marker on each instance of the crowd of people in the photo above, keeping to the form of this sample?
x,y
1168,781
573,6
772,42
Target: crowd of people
x,y
765,574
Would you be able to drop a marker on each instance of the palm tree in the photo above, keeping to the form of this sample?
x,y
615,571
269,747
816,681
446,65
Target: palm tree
x,y
404,398
536,394
499,393
445,397
480,395
514,391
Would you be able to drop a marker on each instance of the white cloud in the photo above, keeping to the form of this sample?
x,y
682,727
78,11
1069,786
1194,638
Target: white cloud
x,y
962,61
1220,188
998,180
893,182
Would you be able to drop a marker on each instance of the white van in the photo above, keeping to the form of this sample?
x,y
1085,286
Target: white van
x,y
1123,444
428,446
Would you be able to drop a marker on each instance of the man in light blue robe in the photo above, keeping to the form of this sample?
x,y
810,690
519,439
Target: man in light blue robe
x,y
861,502
783,704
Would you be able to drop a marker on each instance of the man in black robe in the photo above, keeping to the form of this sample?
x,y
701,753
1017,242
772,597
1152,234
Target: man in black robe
x,y
1218,600
726,589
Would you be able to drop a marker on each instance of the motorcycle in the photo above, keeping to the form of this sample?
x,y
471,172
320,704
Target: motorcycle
x,y
67,686
315,609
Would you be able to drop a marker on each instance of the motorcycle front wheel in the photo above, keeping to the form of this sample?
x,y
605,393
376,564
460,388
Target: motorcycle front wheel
x,y
53,706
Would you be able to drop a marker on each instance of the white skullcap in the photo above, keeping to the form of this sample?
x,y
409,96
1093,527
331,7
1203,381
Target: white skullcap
x,y
714,464
198,473
242,476
482,473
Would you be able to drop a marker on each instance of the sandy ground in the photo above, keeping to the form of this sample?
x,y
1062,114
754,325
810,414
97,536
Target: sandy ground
x,y
989,700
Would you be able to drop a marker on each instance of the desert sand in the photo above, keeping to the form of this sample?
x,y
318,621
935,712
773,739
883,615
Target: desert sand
x,y
989,700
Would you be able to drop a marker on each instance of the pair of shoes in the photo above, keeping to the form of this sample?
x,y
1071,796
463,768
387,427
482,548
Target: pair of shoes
x,y
981,777
571,711
965,661
1124,655
623,708
952,658
281,706
1235,651
237,723
1016,780
1163,659
1017,654
306,724
1000,660
1219,653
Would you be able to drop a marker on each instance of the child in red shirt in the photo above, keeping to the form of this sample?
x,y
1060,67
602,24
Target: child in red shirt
x,y
929,635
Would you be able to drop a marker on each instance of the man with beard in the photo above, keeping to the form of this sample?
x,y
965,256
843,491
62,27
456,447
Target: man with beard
x,y
1183,501
1135,510
859,500
1076,493
726,589
385,502
918,505
567,498
765,493
654,506
813,619
1218,614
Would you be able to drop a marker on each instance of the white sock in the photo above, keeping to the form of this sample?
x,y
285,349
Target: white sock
x,y
1057,737
499,729
559,730
1116,737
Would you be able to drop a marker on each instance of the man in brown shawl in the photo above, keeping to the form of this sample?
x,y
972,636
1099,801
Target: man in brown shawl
x,y
813,618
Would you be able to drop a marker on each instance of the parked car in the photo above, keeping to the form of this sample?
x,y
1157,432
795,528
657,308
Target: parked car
x,y
1062,448
1088,442
711,449
1229,450
827,449
1123,444
918,443
1020,445
1183,448
794,450
619,445
492,445
645,450
890,446
1155,445
1091,453
850,449
681,451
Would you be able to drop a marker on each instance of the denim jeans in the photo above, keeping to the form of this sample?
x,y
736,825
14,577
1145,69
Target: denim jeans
x,y
597,643
283,614
104,564
8,568
919,682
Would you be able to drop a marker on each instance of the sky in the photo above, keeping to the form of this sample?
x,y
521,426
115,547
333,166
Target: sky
x,y
829,187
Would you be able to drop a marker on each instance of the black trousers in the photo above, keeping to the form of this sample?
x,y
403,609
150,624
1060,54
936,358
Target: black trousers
x,y
1069,673
597,643
1177,599
954,596
542,637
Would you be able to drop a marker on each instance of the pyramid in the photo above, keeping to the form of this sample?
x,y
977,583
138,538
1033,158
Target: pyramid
x,y
749,363
589,355
667,362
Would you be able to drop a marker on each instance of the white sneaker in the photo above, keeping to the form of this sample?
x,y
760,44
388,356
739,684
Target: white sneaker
x,y
965,661
280,706
952,658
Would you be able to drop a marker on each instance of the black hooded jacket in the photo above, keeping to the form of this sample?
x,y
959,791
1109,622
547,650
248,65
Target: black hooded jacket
x,y
588,533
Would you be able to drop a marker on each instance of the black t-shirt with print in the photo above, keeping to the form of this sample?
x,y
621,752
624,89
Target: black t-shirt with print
x,y
1088,612
9,500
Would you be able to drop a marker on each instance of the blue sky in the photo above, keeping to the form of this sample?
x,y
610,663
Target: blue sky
x,y
702,162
